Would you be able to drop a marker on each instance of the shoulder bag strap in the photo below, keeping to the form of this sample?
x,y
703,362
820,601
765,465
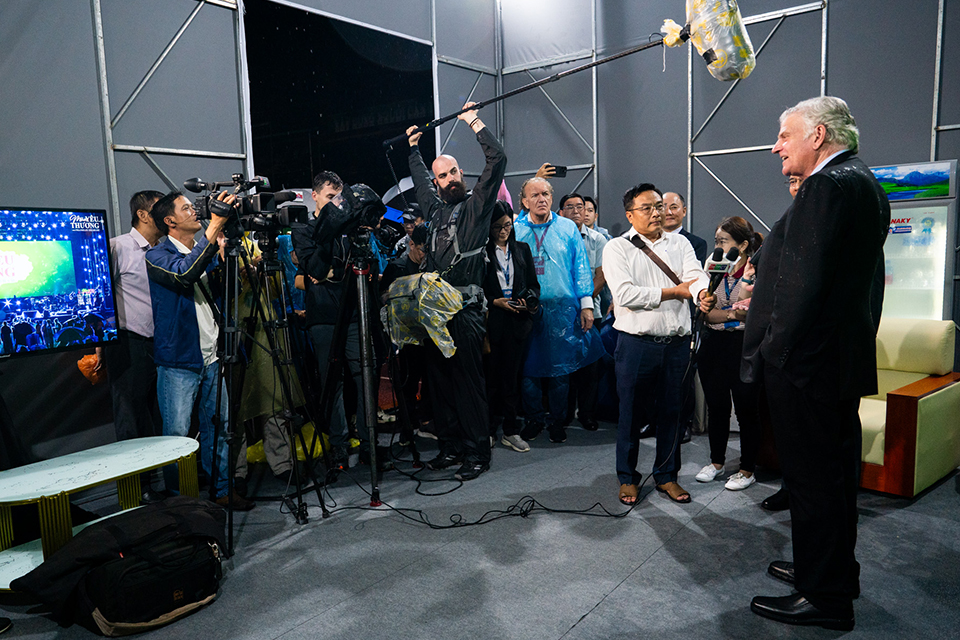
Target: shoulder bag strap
x,y
640,244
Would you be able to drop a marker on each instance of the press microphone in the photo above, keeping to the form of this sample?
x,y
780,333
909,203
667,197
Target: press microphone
x,y
719,265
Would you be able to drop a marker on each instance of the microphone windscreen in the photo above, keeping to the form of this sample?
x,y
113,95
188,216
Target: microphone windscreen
x,y
718,254
196,185
733,255
284,196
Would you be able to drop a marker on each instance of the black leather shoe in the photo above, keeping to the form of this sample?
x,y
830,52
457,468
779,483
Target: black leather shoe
x,y
798,610
686,436
471,470
444,461
5,624
150,497
590,424
558,435
782,570
648,431
780,501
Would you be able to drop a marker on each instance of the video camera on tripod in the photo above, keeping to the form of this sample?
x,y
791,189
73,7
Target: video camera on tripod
x,y
257,212
358,214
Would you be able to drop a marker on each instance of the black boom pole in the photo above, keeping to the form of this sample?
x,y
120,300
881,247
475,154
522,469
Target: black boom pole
x,y
433,124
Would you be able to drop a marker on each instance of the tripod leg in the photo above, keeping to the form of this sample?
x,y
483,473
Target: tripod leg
x,y
367,367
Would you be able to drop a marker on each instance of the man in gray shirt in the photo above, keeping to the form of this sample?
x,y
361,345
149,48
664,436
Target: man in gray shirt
x,y
130,367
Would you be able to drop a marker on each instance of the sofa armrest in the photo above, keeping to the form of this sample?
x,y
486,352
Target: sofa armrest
x,y
898,472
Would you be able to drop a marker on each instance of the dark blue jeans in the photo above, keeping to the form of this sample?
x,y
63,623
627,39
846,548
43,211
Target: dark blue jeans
x,y
532,394
648,383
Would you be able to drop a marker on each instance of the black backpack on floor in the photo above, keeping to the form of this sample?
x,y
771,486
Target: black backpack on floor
x,y
136,571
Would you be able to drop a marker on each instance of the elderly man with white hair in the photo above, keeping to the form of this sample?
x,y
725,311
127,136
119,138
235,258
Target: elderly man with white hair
x,y
811,338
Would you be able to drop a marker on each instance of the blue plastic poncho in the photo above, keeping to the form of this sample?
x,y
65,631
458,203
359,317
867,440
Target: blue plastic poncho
x,y
557,345
294,296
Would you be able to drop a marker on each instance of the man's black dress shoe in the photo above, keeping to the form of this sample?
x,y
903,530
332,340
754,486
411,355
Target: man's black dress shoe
x,y
782,570
780,501
5,624
648,431
590,424
798,610
444,461
150,497
686,436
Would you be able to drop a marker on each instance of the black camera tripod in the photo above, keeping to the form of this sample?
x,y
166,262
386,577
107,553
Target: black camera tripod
x,y
356,296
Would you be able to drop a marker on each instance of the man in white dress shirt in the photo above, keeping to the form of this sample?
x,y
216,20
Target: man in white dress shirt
x,y
654,346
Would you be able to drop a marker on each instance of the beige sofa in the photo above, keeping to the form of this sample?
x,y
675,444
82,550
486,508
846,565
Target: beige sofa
x,y
911,428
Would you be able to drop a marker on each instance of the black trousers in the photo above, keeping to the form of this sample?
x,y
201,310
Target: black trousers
x,y
458,390
132,374
818,438
720,376
502,371
582,397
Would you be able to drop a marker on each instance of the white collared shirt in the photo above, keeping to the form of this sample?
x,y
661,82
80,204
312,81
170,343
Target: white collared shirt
x,y
827,160
205,320
636,283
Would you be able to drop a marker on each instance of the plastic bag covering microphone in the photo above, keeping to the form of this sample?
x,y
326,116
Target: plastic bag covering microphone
x,y
716,29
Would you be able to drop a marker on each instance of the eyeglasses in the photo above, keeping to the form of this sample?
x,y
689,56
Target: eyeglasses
x,y
793,181
647,209
573,207
501,227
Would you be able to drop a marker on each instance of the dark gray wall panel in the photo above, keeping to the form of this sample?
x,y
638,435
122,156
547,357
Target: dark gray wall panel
x,y
642,110
456,84
536,30
51,147
950,81
192,101
410,17
536,133
885,76
466,31
134,174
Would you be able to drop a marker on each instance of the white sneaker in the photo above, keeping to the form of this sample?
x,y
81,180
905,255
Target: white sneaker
x,y
739,482
516,443
709,473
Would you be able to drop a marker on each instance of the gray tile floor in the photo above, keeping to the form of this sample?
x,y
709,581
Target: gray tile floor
x,y
664,570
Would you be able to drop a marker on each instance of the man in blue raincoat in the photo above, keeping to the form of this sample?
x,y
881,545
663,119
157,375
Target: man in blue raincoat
x,y
563,339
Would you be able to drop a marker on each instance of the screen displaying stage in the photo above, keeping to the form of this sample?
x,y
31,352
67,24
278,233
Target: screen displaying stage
x,y
55,286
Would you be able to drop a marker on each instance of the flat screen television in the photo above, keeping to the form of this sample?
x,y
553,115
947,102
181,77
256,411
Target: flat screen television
x,y
56,291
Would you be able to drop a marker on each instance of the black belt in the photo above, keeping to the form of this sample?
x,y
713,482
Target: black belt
x,y
660,339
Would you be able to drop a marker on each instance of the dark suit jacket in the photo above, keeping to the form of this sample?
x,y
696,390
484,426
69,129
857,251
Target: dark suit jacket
x,y
815,308
699,245
504,324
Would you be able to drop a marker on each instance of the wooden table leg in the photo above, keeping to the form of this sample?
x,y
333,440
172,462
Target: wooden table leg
x,y
56,524
6,528
128,490
187,468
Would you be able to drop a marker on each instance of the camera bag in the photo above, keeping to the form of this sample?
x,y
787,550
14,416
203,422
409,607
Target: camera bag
x,y
134,571
149,586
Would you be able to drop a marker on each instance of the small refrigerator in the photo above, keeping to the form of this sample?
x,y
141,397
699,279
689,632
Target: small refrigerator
x,y
921,247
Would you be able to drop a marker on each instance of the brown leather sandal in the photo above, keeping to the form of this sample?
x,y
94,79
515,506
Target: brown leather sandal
x,y
675,492
628,491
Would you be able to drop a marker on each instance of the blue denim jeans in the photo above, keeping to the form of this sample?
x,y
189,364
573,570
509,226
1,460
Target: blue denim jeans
x,y
648,383
177,391
532,395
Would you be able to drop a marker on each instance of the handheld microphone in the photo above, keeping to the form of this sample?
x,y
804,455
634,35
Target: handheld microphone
x,y
719,265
